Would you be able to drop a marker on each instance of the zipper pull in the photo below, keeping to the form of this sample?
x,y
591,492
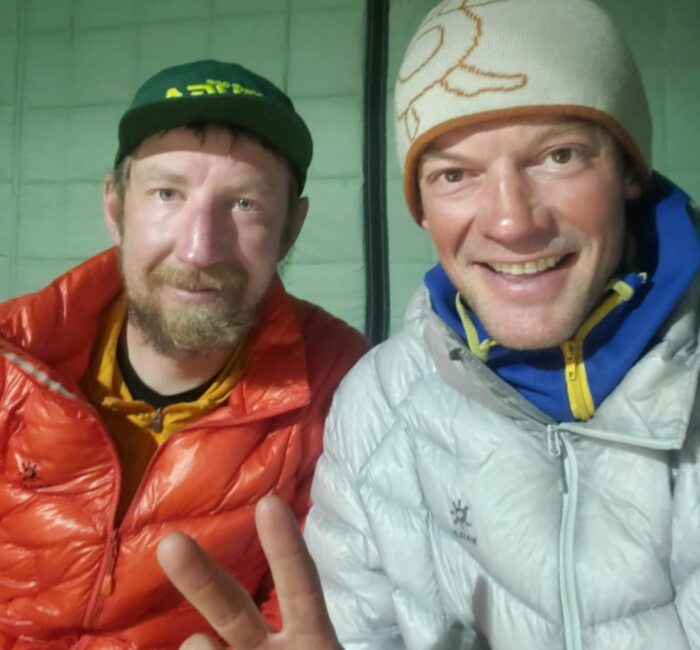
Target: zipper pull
x,y
556,449
108,580
553,442
563,482
157,422
569,349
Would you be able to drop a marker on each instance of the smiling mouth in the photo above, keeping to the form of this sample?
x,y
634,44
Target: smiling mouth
x,y
526,268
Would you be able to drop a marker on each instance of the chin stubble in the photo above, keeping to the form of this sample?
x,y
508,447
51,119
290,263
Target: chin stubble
x,y
192,329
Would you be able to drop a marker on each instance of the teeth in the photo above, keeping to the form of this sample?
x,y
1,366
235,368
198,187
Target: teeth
x,y
526,268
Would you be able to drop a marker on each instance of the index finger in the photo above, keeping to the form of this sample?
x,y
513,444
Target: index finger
x,y
294,573
217,596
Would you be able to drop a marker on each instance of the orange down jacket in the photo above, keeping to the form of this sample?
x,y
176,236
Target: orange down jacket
x,y
68,577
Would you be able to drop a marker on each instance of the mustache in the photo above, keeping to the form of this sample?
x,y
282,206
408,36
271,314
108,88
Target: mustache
x,y
217,277
560,245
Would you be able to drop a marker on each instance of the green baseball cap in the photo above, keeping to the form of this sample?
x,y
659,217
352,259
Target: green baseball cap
x,y
225,93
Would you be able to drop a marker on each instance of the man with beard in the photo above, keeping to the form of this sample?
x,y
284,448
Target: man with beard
x,y
524,470
167,384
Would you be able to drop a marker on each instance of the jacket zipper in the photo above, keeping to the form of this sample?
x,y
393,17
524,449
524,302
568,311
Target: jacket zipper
x,y
560,447
112,553
106,574
105,584
105,577
577,388
157,422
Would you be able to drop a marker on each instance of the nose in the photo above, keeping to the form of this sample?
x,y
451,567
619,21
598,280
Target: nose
x,y
511,213
201,239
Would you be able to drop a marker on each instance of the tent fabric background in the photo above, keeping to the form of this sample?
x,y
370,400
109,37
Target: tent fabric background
x,y
68,69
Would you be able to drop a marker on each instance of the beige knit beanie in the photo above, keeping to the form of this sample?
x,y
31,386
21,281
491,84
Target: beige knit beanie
x,y
476,60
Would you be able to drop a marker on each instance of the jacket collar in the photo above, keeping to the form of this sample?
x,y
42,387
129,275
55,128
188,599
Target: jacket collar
x,y
58,326
668,255
652,407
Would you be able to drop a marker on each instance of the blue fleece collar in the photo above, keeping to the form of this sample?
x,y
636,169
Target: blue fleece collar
x,y
666,260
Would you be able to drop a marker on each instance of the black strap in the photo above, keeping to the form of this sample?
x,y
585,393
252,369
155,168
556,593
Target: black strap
x,y
375,226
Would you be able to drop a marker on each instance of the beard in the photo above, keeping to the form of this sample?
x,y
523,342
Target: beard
x,y
185,330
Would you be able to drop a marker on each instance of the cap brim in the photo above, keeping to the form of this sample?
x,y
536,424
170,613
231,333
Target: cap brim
x,y
276,124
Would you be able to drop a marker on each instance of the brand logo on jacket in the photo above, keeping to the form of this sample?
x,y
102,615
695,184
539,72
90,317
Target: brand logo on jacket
x,y
460,521
28,471
29,476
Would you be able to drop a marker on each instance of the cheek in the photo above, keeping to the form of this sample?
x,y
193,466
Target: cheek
x,y
448,231
614,244
143,245
258,247
608,230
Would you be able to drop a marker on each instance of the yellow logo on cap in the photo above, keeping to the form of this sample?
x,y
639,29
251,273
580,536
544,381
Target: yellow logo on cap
x,y
212,87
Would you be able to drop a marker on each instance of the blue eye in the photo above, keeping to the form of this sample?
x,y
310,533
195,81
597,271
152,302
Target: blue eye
x,y
165,194
244,204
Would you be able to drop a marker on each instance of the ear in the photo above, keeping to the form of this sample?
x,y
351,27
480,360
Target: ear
x,y
112,208
420,213
421,219
423,222
295,220
633,186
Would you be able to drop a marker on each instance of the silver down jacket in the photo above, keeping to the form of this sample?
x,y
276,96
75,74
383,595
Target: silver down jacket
x,y
451,514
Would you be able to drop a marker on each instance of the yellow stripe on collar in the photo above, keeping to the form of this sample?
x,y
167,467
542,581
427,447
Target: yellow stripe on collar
x,y
479,349
578,389
577,386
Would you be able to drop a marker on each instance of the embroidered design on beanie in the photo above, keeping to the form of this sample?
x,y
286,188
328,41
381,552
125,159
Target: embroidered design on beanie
x,y
423,72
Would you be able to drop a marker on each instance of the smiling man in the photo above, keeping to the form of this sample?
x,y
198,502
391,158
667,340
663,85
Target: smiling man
x,y
525,471
519,466
167,384
527,216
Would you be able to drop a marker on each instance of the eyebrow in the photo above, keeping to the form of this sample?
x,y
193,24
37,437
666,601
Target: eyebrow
x,y
162,174
553,132
256,185
567,127
441,155
594,133
435,155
